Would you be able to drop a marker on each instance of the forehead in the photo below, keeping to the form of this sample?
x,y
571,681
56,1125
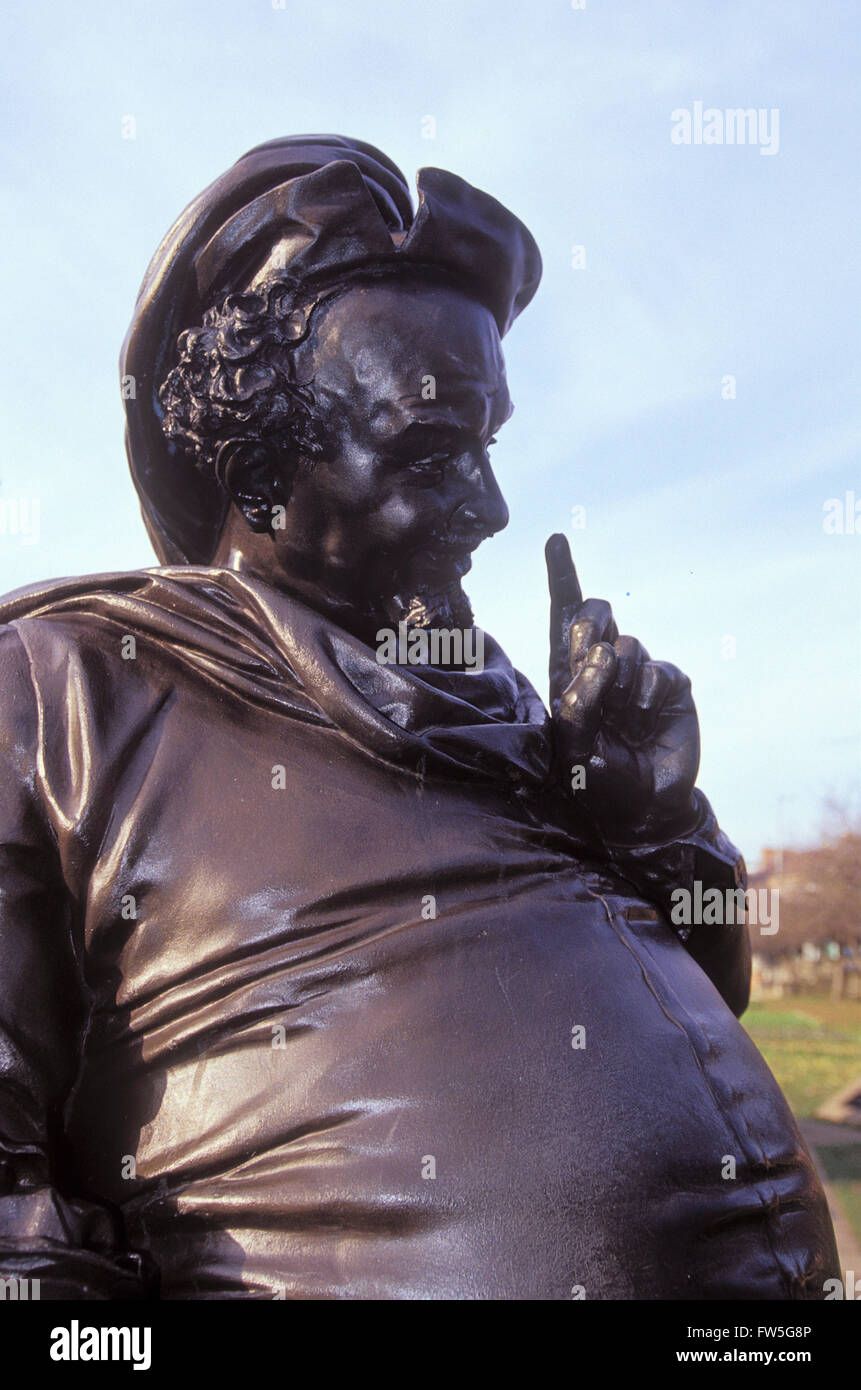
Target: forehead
x,y
376,347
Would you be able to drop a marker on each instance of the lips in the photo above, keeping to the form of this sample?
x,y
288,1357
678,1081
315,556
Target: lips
x,y
452,556
451,559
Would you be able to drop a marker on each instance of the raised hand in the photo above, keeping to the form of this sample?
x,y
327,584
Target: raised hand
x,y
627,722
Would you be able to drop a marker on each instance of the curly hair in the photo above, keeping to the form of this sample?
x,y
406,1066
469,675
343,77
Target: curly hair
x,y
234,381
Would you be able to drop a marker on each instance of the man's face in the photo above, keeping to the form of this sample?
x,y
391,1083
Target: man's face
x,y
410,383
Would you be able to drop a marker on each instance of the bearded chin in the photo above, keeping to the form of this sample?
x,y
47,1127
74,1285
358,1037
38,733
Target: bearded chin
x,y
433,608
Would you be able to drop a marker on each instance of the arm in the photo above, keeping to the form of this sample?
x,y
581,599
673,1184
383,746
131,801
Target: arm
x,y
630,726
74,1247
706,855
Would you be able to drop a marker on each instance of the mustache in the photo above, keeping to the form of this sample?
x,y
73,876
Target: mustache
x,y
462,538
439,544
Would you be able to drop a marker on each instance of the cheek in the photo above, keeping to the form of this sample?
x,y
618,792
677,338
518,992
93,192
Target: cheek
x,y
383,510
406,514
362,506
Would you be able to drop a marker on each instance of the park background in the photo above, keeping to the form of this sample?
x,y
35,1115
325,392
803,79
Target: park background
x,y
686,381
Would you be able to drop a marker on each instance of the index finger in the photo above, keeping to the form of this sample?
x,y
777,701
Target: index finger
x,y
565,600
562,578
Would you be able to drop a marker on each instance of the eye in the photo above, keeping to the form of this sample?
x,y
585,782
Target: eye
x,y
431,463
432,460
427,472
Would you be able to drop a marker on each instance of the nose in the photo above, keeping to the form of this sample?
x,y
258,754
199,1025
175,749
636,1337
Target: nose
x,y
482,511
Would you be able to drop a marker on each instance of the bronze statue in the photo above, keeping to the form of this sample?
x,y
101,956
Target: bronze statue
x,y
335,976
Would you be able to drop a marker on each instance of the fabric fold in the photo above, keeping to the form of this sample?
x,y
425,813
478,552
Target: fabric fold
x,y
269,646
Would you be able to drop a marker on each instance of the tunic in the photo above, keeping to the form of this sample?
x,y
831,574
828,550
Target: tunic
x,y
312,987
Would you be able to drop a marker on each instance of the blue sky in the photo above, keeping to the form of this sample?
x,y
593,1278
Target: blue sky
x,y
704,515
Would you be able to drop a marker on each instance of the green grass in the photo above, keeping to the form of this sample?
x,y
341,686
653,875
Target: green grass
x,y
813,1046
842,1163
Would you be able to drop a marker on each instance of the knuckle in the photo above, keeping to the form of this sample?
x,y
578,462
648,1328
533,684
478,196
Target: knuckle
x,y
580,628
676,679
598,609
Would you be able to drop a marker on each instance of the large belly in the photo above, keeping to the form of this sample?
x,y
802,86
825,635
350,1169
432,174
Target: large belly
x,y
524,1097
372,1039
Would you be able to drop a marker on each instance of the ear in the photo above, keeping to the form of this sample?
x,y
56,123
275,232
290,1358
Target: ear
x,y
249,475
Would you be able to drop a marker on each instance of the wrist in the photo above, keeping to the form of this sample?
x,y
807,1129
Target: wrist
x,y
659,832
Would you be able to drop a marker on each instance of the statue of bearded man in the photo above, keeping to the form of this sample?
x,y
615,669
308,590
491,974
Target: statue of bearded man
x,y
320,981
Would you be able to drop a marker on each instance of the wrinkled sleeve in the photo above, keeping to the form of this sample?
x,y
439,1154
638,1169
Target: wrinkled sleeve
x,y
705,855
74,1247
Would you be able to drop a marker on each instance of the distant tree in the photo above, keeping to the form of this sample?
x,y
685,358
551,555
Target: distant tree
x,y
820,890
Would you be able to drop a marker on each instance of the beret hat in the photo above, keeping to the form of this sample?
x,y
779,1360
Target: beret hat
x,y
317,208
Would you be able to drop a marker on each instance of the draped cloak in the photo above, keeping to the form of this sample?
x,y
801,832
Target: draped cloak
x,y
312,987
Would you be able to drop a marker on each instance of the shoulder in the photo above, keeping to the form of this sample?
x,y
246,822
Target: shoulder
x,y
76,689
126,630
65,642
16,682
53,596
45,625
